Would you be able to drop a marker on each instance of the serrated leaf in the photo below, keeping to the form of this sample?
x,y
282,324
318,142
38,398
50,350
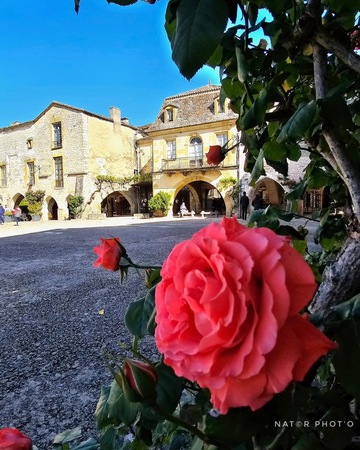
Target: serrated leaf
x,y
119,409
199,28
101,412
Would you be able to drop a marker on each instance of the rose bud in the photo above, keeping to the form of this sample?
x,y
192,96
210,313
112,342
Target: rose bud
x,y
109,253
13,439
215,155
139,381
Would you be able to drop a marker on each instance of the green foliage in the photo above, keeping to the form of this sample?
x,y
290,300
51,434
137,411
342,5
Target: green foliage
x,y
34,201
160,202
75,203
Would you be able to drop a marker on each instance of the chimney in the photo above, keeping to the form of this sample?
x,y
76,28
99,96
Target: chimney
x,y
115,114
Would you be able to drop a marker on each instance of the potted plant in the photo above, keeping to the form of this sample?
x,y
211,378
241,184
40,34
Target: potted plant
x,y
160,203
35,200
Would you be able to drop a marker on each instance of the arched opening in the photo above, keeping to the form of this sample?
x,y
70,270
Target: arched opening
x,y
52,209
271,191
115,204
200,196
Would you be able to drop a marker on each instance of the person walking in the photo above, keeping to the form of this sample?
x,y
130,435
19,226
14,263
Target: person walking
x,y
2,212
244,205
17,213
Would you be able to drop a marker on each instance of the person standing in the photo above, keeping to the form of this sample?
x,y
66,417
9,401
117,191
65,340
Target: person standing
x,y
258,202
17,213
2,212
244,205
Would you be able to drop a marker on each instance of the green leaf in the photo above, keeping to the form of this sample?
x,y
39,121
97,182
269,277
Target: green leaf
x,y
119,409
252,13
199,27
89,444
256,114
101,412
242,65
349,309
169,388
237,426
300,122
67,436
346,358
308,442
258,168
275,151
108,438
335,110
139,313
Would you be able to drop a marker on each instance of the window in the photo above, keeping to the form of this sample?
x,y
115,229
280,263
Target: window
x,y
3,176
57,135
195,151
59,173
170,115
171,150
31,173
221,139
29,143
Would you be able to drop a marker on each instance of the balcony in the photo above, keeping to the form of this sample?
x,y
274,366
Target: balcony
x,y
186,165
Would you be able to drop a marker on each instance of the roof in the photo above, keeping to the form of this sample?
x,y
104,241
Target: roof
x,y
56,104
193,107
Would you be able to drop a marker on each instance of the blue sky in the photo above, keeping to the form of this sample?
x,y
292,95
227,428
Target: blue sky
x,y
108,55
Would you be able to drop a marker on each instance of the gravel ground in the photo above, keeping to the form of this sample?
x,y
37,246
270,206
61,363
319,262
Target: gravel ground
x,y
58,314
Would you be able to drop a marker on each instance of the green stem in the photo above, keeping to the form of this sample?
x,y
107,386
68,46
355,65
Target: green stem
x,y
191,428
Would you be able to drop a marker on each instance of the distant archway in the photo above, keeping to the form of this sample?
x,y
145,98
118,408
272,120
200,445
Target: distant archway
x,y
271,191
199,196
52,209
115,204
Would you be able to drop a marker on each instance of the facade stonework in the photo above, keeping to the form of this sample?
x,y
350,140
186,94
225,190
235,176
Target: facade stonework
x,y
117,168
62,152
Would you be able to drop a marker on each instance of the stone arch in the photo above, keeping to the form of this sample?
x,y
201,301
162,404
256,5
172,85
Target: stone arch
x,y
199,194
117,204
52,208
271,191
17,199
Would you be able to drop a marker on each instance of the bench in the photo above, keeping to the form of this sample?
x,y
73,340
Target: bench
x,y
186,213
213,213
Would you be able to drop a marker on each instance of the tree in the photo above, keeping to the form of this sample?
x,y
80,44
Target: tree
x,y
298,87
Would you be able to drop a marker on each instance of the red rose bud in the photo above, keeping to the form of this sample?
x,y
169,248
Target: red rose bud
x,y
13,439
109,253
141,379
215,155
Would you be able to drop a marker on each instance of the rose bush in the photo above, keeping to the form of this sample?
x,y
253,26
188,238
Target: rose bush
x,y
109,253
14,439
228,314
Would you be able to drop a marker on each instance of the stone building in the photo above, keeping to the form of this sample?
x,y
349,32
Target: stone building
x,y
63,151
176,144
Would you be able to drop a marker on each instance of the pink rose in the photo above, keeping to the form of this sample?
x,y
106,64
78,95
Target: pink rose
x,y
228,314
109,254
13,439
215,155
